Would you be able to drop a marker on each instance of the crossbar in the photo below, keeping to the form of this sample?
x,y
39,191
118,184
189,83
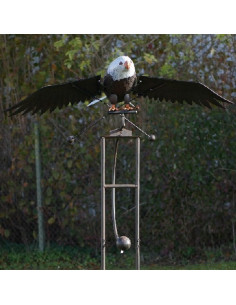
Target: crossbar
x,y
120,185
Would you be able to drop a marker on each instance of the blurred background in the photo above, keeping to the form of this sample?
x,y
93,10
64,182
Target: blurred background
x,y
188,175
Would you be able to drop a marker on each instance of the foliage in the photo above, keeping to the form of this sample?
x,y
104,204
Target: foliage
x,y
188,180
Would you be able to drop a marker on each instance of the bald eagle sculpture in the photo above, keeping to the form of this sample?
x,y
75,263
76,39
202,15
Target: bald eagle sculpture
x,y
119,84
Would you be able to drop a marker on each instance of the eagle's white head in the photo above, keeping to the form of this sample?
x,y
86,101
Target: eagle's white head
x,y
121,67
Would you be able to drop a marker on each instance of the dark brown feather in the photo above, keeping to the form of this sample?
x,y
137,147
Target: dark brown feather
x,y
174,90
51,97
118,87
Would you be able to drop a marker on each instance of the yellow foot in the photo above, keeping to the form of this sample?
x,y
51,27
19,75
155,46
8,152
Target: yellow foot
x,y
128,107
113,108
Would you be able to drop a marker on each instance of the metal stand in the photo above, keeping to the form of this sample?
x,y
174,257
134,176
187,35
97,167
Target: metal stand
x,y
121,133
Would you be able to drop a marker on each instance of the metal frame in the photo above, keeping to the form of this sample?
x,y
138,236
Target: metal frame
x,y
121,134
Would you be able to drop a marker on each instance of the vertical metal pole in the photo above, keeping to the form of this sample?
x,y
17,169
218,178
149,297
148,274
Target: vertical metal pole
x,y
39,190
137,198
103,219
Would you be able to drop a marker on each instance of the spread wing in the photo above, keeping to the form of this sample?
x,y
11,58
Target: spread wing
x,y
51,97
175,90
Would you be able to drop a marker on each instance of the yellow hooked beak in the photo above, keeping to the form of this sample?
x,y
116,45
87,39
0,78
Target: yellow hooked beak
x,y
127,65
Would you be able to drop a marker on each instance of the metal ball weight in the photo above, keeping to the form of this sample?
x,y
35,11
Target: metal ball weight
x,y
152,137
71,139
123,243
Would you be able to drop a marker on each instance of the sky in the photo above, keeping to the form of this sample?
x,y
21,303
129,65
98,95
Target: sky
x,y
110,17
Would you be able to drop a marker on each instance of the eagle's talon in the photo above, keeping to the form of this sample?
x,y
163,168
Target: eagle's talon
x,y
128,107
113,108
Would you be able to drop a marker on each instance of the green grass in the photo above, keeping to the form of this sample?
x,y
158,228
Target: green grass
x,y
17,257
205,266
55,258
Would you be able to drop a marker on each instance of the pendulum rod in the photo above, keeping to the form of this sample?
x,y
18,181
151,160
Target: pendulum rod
x,y
113,191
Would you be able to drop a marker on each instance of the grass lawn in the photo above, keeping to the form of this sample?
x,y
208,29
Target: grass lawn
x,y
231,265
16,257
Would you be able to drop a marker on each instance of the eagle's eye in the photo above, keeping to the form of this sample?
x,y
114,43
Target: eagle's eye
x,y
120,63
